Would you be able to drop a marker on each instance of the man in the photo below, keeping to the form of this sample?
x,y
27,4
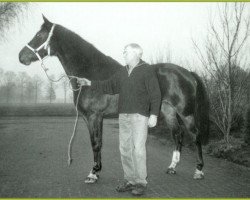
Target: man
x,y
138,107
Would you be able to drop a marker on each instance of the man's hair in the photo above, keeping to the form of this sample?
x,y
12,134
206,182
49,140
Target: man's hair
x,y
136,47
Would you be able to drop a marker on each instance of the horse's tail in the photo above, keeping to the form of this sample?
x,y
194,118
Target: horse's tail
x,y
201,111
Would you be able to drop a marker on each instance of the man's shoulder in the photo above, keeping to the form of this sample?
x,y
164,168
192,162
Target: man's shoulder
x,y
121,70
147,68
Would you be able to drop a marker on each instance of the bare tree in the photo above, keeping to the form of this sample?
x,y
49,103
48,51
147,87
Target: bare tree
x,y
9,84
222,58
1,76
51,94
71,97
10,13
29,91
23,79
161,54
37,82
1,84
65,86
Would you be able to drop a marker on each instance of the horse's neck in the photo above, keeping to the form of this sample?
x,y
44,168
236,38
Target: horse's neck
x,y
69,69
78,63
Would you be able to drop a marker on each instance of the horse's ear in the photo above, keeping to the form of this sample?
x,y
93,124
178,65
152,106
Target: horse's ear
x,y
46,21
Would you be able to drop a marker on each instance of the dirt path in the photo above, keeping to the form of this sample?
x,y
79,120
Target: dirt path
x,y
33,156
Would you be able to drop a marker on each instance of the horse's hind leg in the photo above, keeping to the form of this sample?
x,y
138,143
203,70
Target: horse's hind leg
x,y
200,163
177,135
194,133
169,114
95,123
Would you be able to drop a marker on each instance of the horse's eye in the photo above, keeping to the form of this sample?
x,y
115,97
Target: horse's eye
x,y
38,34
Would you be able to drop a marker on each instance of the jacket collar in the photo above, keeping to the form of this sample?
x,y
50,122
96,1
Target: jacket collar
x,y
141,62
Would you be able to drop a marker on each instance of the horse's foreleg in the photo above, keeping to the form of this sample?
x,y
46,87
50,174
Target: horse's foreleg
x,y
95,123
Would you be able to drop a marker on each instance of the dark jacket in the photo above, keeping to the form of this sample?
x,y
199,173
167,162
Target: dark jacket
x,y
138,92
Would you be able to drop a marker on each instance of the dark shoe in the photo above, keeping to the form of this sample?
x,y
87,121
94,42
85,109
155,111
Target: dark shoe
x,y
139,190
126,186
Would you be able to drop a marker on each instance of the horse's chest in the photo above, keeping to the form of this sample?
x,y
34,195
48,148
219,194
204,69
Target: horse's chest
x,y
92,101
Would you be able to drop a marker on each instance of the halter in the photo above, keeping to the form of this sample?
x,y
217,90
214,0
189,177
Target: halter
x,y
45,46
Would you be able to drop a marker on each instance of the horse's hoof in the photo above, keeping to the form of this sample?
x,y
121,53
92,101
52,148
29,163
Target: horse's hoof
x,y
90,180
171,171
198,175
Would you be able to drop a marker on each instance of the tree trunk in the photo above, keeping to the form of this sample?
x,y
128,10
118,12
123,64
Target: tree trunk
x,y
50,98
65,95
229,112
21,99
36,88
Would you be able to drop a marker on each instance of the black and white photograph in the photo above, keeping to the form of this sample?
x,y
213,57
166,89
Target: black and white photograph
x,y
124,100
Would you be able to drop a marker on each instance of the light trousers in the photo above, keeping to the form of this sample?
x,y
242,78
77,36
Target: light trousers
x,y
133,131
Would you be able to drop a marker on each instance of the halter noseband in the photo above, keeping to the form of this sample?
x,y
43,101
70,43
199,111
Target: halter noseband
x,y
45,45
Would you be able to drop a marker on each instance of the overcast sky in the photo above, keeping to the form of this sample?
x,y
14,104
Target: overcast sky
x,y
110,26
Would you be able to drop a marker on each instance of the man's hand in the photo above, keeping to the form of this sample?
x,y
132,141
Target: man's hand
x,y
83,82
152,121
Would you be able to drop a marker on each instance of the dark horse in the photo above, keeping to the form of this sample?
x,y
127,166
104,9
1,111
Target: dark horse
x,y
184,99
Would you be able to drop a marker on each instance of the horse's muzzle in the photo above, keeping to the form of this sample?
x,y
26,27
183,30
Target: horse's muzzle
x,y
23,59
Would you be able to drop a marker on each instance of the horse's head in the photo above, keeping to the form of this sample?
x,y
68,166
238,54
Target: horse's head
x,y
40,45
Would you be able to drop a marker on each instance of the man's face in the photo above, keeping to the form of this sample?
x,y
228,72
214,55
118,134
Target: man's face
x,y
129,55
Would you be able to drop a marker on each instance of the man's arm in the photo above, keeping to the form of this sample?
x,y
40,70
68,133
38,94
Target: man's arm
x,y
152,85
110,86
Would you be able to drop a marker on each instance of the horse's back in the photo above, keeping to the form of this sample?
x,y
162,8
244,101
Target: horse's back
x,y
178,87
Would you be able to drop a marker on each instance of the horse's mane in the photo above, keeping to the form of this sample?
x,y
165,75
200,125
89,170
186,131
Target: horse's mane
x,y
84,56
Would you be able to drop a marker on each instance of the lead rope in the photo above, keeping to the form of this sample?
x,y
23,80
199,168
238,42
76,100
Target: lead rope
x,y
74,131
46,46
76,108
